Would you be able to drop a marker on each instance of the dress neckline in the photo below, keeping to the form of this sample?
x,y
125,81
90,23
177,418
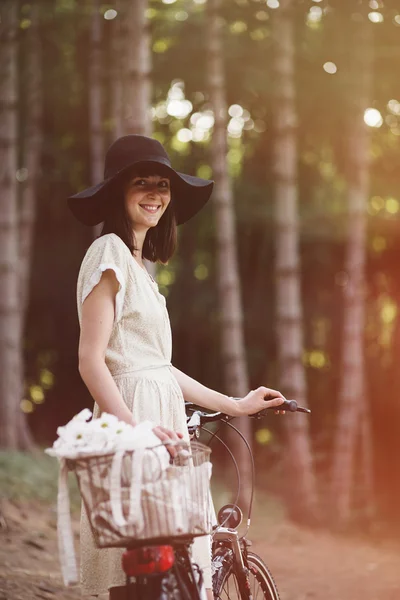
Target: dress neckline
x,y
145,272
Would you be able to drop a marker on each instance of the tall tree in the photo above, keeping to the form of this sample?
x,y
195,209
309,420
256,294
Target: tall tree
x,y
139,89
231,315
10,306
289,313
353,415
117,91
138,116
32,147
96,99
31,152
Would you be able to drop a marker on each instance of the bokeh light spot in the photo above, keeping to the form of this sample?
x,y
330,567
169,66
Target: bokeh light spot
x,y
330,67
394,106
375,17
235,110
165,277
46,379
273,3
37,394
22,175
181,15
392,206
184,135
263,436
110,14
201,272
238,27
26,406
317,359
376,203
388,311
373,117
204,171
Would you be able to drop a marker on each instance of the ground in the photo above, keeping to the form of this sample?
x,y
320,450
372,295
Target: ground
x,y
306,564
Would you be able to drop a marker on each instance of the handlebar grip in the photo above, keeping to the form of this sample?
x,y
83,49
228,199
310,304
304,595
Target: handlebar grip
x,y
287,405
290,405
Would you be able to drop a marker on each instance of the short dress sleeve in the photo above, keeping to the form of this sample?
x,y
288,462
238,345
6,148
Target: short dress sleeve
x,y
107,252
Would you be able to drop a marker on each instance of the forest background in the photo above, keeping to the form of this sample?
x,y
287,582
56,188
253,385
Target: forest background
x,y
311,124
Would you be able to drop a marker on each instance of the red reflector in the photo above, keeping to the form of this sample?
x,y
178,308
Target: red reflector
x,y
147,560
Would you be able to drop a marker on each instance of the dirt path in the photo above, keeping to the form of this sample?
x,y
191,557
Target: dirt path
x,y
306,564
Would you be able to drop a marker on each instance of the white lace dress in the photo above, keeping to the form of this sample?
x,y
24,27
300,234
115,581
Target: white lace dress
x,y
139,358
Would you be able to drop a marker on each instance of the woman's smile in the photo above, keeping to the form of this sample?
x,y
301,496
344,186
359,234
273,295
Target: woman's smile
x,y
151,208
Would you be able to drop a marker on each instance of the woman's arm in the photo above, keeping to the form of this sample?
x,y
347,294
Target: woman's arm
x,y
256,400
98,312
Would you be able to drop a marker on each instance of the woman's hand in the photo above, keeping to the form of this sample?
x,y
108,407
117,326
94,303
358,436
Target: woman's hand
x,y
166,435
259,399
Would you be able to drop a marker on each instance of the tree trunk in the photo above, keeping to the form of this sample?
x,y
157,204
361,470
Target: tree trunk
x,y
231,316
96,101
138,116
32,153
289,313
118,49
10,306
352,403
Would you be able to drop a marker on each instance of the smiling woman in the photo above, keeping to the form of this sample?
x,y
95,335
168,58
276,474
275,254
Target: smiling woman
x,y
125,344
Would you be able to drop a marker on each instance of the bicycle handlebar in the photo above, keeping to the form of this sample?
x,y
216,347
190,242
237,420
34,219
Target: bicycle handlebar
x,y
199,417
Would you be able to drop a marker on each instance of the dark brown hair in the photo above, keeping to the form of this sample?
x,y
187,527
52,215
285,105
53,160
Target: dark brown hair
x,y
160,241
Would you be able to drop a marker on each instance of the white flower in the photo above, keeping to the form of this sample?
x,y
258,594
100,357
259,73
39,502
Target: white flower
x,y
106,421
84,415
103,435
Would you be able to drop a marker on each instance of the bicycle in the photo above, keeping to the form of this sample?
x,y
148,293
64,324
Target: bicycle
x,y
237,572
164,570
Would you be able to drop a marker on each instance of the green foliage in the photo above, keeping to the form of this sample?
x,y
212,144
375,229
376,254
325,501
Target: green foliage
x,y
32,477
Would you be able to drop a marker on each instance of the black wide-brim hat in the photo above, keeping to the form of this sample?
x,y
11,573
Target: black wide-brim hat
x,y
189,193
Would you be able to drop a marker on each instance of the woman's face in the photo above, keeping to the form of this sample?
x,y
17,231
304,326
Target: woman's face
x,y
146,199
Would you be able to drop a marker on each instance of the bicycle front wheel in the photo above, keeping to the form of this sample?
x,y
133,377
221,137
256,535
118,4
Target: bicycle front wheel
x,y
225,581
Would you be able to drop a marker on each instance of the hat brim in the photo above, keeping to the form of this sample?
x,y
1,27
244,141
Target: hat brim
x,y
190,194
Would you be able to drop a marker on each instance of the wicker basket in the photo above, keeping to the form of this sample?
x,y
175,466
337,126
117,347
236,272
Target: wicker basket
x,y
138,495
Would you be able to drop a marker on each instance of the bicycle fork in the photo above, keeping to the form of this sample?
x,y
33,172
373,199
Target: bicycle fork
x,y
231,537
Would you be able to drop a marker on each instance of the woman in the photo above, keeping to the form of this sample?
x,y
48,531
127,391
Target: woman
x,y
125,340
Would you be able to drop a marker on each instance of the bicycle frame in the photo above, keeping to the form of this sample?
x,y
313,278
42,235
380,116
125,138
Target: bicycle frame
x,y
229,538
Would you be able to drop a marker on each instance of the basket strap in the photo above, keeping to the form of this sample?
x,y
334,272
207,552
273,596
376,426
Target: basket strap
x,y
115,489
135,516
64,528
135,513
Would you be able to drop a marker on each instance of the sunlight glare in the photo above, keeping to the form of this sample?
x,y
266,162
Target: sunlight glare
x,y
184,135
373,117
394,106
235,110
375,17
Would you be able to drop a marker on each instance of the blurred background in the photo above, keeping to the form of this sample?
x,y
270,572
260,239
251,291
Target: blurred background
x,y
288,278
